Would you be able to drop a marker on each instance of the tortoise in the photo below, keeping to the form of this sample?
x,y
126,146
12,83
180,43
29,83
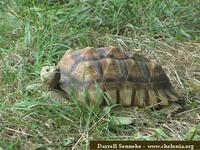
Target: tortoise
x,y
129,79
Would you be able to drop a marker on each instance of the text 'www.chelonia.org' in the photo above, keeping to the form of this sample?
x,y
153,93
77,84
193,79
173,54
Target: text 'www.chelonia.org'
x,y
144,145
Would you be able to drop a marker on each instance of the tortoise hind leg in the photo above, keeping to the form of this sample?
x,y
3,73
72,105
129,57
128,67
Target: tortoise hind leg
x,y
171,110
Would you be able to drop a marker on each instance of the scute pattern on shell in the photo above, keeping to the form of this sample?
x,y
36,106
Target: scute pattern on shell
x,y
129,79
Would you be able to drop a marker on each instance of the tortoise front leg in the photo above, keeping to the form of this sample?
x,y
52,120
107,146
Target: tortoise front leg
x,y
59,95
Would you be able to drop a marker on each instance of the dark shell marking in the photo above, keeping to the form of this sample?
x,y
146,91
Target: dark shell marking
x,y
129,79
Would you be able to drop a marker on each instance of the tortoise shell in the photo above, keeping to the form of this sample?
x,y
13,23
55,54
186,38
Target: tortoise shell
x,y
128,79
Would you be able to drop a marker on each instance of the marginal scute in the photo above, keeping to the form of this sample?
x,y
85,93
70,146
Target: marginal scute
x,y
125,96
162,97
140,98
111,97
81,97
152,101
95,94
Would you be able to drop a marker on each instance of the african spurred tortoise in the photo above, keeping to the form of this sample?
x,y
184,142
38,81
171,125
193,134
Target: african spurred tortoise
x,y
128,79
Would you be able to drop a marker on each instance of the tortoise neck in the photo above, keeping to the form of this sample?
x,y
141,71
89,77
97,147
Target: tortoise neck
x,y
53,81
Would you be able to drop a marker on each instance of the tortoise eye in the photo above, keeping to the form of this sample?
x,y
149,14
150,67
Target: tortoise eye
x,y
47,69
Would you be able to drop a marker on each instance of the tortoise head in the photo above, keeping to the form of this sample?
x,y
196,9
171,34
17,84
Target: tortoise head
x,y
50,76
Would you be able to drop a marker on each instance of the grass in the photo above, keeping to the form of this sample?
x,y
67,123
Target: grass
x,y
35,33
